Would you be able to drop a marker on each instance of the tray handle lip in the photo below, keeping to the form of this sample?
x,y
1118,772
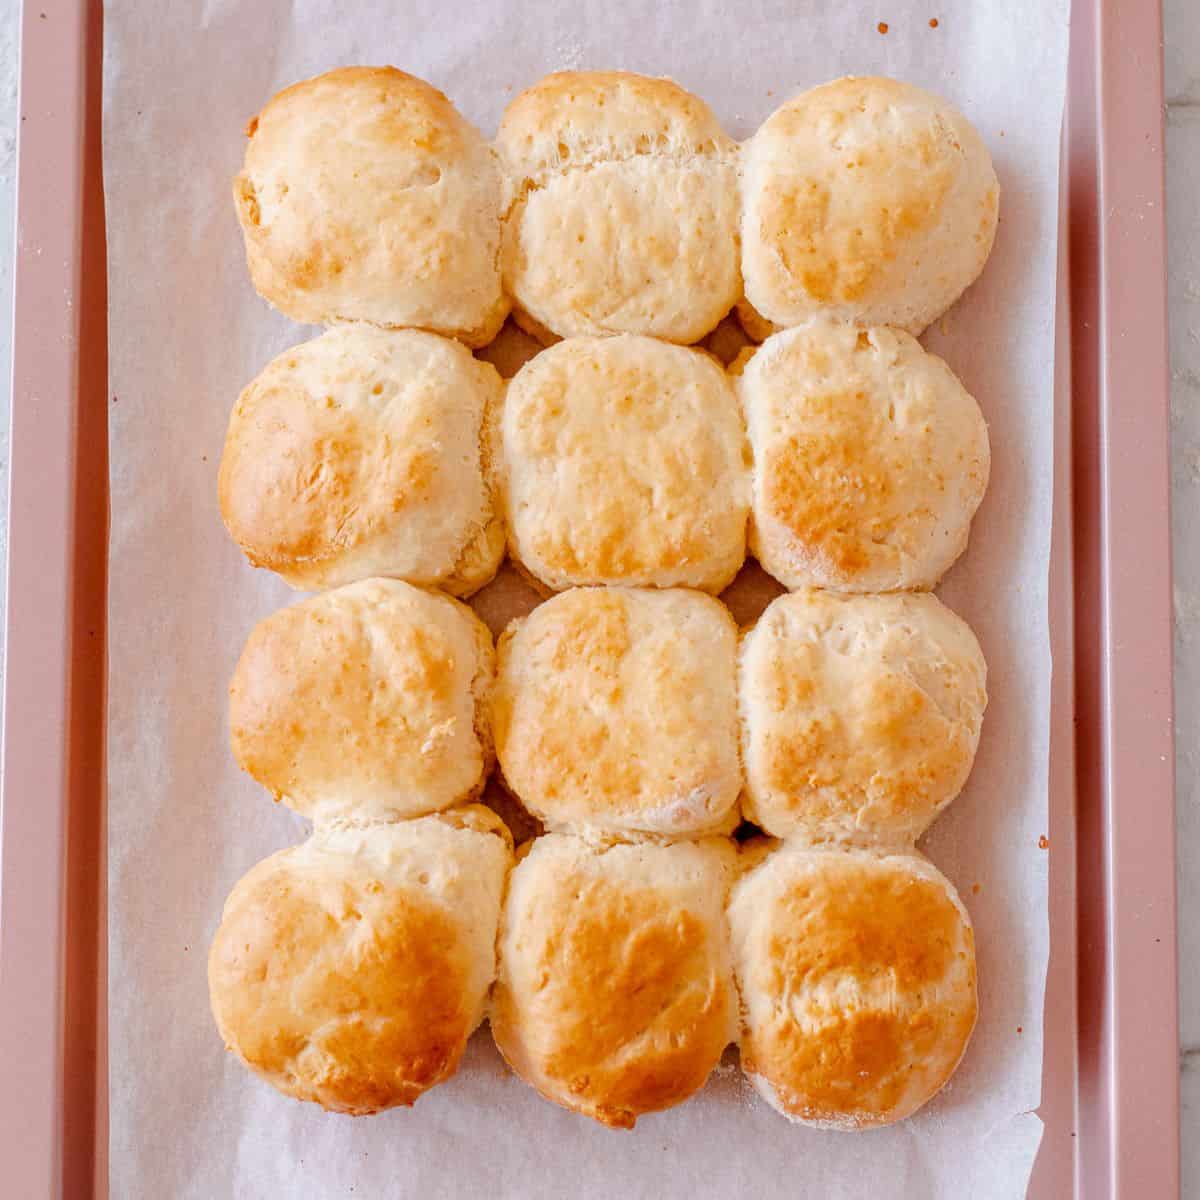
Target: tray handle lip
x,y
1129,1089
1128,1000
52,902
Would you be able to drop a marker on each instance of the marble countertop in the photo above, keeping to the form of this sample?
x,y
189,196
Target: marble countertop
x,y
1182,56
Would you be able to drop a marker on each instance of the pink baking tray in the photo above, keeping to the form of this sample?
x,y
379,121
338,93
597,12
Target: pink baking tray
x,y
1110,1088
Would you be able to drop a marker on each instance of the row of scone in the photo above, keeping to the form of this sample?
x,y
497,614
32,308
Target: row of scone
x,y
350,970
616,711
611,203
846,458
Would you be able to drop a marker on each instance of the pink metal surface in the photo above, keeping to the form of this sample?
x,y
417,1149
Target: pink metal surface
x,y
52,1132
1110,1082
1125,818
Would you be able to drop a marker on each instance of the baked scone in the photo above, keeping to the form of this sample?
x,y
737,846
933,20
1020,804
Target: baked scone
x,y
360,454
614,711
727,341
867,200
365,703
870,459
860,715
614,996
533,328
857,978
623,460
366,196
350,970
754,325
621,208
510,349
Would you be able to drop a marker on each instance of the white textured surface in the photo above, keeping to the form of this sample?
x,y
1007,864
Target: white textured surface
x,y
184,824
1182,58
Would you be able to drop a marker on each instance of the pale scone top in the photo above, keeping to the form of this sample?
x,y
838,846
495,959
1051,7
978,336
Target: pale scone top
x,y
614,712
621,212
365,195
365,703
857,978
860,715
623,460
614,995
351,969
865,199
870,459
578,118
360,453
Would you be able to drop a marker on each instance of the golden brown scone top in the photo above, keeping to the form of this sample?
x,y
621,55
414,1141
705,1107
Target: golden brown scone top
x,y
614,711
365,703
857,977
860,714
365,195
623,460
614,997
867,199
350,970
359,454
871,458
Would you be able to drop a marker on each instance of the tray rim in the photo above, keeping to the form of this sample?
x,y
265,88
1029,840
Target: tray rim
x,y
53,942
1128,1031
1111,1010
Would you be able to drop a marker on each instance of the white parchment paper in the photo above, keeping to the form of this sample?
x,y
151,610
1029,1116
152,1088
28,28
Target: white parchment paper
x,y
187,332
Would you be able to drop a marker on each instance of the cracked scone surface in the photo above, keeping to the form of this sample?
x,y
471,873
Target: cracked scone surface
x,y
621,207
870,459
614,996
366,196
365,703
860,715
623,460
867,200
857,978
351,969
614,711
360,453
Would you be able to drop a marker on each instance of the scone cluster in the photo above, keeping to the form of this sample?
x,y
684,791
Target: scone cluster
x,y
626,469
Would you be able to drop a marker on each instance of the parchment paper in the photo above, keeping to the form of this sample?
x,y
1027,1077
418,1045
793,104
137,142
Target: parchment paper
x,y
187,332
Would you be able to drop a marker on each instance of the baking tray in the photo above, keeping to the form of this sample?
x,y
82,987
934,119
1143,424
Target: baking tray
x,y
1110,1081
